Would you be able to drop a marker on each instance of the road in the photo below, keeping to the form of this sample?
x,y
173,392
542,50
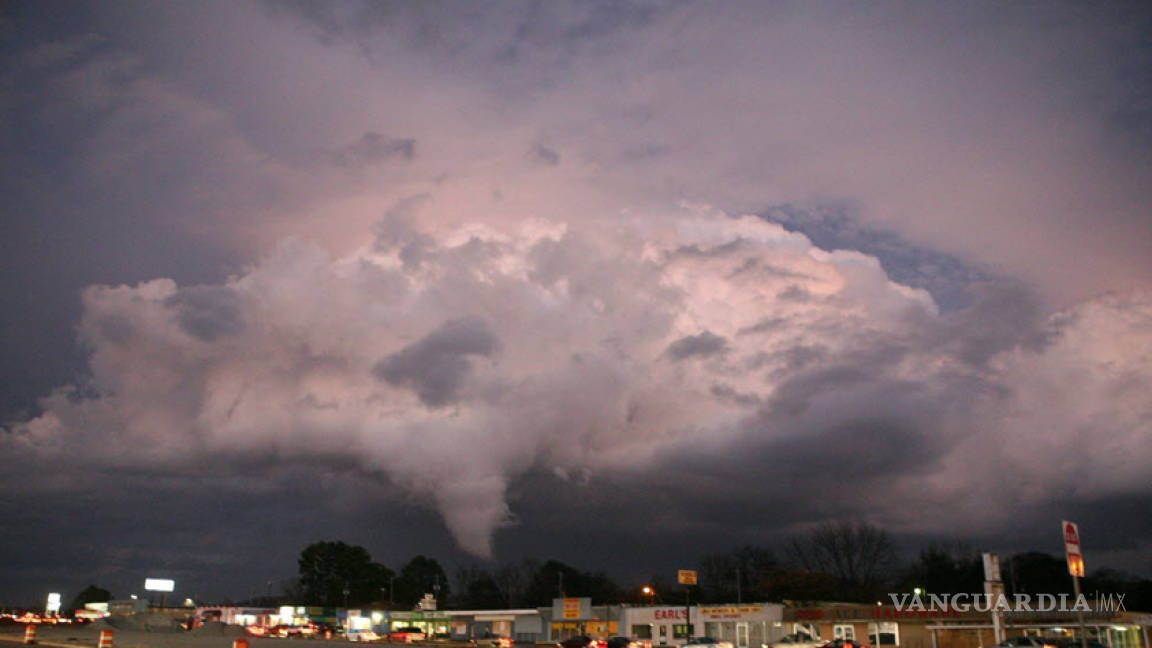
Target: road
x,y
68,636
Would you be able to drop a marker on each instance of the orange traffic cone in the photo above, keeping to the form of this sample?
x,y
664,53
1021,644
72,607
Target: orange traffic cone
x,y
105,639
240,643
30,634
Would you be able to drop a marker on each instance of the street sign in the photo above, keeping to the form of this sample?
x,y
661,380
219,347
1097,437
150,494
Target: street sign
x,y
686,577
1072,550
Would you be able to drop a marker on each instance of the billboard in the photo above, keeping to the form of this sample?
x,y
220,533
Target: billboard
x,y
159,584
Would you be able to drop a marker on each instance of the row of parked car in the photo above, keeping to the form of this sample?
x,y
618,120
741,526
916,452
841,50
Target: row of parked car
x,y
583,641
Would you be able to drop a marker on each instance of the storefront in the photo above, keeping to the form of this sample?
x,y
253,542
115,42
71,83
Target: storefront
x,y
572,617
430,622
884,625
666,625
745,625
524,625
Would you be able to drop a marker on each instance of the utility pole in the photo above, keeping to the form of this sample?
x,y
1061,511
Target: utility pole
x,y
738,595
560,583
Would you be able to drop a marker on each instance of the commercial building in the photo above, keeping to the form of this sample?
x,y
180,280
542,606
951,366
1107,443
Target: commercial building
x,y
885,625
745,624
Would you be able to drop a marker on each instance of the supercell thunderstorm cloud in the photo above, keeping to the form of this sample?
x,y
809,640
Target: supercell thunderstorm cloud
x,y
473,276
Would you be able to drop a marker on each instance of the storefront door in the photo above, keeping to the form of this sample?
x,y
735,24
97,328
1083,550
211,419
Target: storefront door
x,y
741,635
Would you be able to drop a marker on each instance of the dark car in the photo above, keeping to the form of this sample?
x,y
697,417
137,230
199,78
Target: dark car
x,y
1023,641
623,642
1071,642
707,642
582,641
844,643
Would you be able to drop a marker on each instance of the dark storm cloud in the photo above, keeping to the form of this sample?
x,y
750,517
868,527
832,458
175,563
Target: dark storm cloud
x,y
985,146
207,312
437,366
221,530
702,344
543,155
1003,316
947,277
374,148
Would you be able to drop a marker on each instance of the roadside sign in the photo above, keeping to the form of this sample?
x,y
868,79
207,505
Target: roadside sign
x,y
686,577
1072,550
159,584
991,567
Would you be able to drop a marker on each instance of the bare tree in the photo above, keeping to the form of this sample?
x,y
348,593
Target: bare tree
x,y
513,579
859,555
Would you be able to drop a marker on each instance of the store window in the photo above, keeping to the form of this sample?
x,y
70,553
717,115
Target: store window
x,y
682,631
642,631
889,634
844,631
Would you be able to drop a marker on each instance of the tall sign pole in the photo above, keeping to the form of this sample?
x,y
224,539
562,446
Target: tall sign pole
x,y
994,588
687,578
1075,556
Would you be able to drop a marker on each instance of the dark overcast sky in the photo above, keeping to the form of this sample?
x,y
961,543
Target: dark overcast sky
x,y
619,283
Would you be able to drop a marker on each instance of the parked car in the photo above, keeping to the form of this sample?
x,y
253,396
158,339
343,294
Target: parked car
x,y
844,643
706,642
361,635
626,642
326,630
490,640
406,635
284,630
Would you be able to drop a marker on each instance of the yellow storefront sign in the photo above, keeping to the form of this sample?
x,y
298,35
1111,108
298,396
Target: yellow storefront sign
x,y
571,608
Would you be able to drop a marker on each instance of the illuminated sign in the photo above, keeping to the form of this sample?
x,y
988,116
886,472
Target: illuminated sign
x,y
686,577
1072,550
53,604
159,584
571,608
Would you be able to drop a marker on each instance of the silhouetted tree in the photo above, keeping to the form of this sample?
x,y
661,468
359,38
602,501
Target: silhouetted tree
x,y
422,575
478,589
792,584
735,575
554,577
335,574
90,594
942,569
858,554
1034,572
513,580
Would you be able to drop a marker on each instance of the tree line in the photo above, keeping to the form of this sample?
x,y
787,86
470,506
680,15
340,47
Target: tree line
x,y
837,561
